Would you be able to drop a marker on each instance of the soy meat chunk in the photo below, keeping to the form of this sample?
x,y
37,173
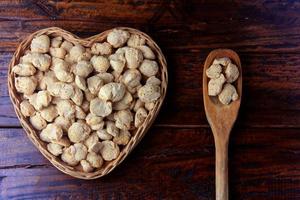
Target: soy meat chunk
x,y
55,149
231,73
78,132
134,57
76,52
109,151
86,166
103,135
63,122
222,61
153,80
106,77
92,143
112,91
49,113
135,41
123,138
51,132
111,128
56,42
214,71
215,85
66,108
80,82
117,62
131,78
123,119
117,38
26,69
94,84
124,103
228,94
100,63
101,48
26,108
58,52
147,52
26,85
68,156
40,44
83,68
37,121
94,159
74,154
100,107
149,93
140,116
40,61
149,68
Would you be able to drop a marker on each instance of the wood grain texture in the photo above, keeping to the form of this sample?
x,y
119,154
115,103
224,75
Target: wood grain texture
x,y
271,84
176,158
264,164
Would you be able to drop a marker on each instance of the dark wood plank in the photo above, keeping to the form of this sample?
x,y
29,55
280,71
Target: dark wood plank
x,y
207,11
267,38
270,98
256,26
271,90
176,158
168,163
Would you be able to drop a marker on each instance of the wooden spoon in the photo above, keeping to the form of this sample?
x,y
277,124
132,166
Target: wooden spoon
x,y
221,119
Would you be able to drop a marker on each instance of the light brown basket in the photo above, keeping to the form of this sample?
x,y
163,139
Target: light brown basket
x,y
137,134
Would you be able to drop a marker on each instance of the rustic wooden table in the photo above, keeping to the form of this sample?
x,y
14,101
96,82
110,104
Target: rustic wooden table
x,y
175,160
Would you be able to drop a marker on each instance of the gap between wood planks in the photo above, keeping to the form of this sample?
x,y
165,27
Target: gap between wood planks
x,y
194,126
198,142
26,166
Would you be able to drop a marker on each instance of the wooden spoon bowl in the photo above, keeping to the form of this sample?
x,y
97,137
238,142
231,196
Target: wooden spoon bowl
x,y
221,119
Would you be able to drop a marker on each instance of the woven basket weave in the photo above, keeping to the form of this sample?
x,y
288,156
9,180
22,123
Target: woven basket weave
x,y
137,134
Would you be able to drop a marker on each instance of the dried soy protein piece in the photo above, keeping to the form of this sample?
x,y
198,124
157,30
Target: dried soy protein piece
x,y
112,91
78,132
100,63
134,57
86,166
214,71
215,85
228,94
231,73
117,38
123,138
149,93
25,69
26,85
101,48
100,107
222,61
94,159
26,108
55,149
149,68
109,151
40,44
123,119
140,116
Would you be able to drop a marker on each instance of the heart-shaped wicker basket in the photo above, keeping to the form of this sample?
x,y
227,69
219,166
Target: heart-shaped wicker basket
x,y
137,135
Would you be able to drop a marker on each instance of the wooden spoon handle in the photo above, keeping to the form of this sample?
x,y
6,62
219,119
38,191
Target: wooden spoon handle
x,y
221,170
